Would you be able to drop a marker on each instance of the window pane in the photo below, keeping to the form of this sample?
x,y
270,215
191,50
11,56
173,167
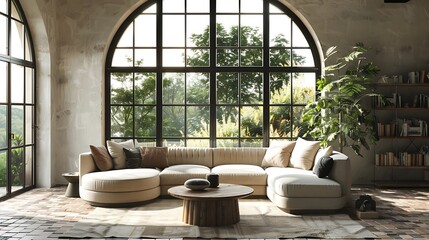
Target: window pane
x,y
280,33
3,82
121,121
17,83
280,88
274,9
3,6
251,122
145,122
29,166
251,6
17,39
28,54
198,88
127,37
145,142
280,57
251,143
198,6
198,31
145,88
173,57
251,30
3,173
197,57
3,127
17,125
145,35
227,143
280,121
173,88
227,57
251,57
151,9
173,143
226,30
173,6
121,88
251,88
227,87
29,125
227,6
298,38
173,124
123,58
173,31
227,122
203,143
3,35
29,80
18,168
198,121
296,121
304,90
145,57
15,13
302,58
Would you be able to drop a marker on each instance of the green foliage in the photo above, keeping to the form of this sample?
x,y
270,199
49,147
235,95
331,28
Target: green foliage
x,y
338,113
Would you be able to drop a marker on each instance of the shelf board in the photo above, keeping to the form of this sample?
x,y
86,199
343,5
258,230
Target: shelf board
x,y
402,84
402,184
402,108
403,167
405,137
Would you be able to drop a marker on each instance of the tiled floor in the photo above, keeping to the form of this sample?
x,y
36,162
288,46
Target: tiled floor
x,y
46,213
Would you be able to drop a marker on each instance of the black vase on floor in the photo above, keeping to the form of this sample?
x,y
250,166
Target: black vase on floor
x,y
213,178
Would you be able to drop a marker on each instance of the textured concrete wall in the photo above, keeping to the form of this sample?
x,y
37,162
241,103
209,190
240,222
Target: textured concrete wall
x,y
71,89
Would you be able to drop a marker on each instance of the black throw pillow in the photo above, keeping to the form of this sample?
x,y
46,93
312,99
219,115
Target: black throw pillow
x,y
133,158
323,166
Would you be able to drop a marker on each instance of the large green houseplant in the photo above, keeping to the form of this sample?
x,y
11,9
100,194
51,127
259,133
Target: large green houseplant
x,y
338,114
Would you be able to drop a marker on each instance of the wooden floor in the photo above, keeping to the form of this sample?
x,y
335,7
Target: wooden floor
x,y
46,213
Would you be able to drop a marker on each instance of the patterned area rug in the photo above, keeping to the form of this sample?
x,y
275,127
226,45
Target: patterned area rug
x,y
259,219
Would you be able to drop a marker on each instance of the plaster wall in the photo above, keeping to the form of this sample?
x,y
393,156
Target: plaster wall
x,y
78,33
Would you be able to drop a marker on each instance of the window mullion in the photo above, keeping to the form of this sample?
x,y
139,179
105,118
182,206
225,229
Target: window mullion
x,y
266,64
159,120
212,65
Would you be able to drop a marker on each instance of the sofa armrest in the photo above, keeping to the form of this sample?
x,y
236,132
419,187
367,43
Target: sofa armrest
x,y
86,165
341,172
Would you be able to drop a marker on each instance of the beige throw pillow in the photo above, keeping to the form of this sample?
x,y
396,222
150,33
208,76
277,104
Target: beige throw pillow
x,y
101,157
278,154
154,157
323,152
304,153
116,150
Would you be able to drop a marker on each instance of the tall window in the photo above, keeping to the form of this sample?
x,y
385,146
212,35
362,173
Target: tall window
x,y
16,101
209,73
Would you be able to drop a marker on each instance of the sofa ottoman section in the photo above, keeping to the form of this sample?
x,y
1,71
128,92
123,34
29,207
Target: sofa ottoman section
x,y
178,174
120,187
243,174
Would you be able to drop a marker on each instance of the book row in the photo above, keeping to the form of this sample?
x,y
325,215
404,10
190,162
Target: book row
x,y
403,127
419,101
403,159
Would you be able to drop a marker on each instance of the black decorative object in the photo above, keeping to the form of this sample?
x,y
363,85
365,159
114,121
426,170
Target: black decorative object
x,y
365,203
213,178
197,184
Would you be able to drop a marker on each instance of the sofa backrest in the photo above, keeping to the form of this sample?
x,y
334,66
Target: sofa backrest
x,y
188,155
243,155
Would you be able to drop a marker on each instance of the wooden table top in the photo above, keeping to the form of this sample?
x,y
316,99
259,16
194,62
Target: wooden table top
x,y
224,191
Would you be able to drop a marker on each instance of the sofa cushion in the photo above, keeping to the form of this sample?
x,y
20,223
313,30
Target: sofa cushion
x,y
154,157
178,174
243,155
303,154
101,157
117,152
299,183
278,154
124,180
189,155
241,174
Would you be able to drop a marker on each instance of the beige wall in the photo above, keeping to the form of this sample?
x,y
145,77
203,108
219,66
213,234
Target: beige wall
x,y
71,38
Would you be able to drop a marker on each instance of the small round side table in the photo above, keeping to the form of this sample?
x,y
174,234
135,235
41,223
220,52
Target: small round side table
x,y
73,186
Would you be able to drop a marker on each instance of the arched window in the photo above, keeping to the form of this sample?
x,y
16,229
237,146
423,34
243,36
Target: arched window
x,y
206,73
17,101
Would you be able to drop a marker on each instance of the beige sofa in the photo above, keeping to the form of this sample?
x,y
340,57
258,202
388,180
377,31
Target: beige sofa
x,y
289,188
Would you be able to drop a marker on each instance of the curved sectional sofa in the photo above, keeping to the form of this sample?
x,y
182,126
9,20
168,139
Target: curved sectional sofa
x,y
289,188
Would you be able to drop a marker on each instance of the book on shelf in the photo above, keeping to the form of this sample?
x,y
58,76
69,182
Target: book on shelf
x,y
404,159
386,129
413,127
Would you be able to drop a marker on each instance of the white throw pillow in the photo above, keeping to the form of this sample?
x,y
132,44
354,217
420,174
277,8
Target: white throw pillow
x,y
323,152
278,154
304,153
117,152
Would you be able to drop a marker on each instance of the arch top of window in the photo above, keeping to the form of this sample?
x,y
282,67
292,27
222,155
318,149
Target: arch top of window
x,y
186,30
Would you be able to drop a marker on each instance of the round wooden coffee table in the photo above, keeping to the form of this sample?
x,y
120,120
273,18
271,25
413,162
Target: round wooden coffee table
x,y
211,206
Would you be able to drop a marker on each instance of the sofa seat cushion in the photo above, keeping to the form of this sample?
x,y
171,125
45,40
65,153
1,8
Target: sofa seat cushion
x,y
299,183
123,180
243,174
178,174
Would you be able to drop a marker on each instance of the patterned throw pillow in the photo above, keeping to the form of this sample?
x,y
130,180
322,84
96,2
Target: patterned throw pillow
x,y
154,157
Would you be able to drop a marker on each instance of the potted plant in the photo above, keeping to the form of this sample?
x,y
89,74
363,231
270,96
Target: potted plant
x,y
338,114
